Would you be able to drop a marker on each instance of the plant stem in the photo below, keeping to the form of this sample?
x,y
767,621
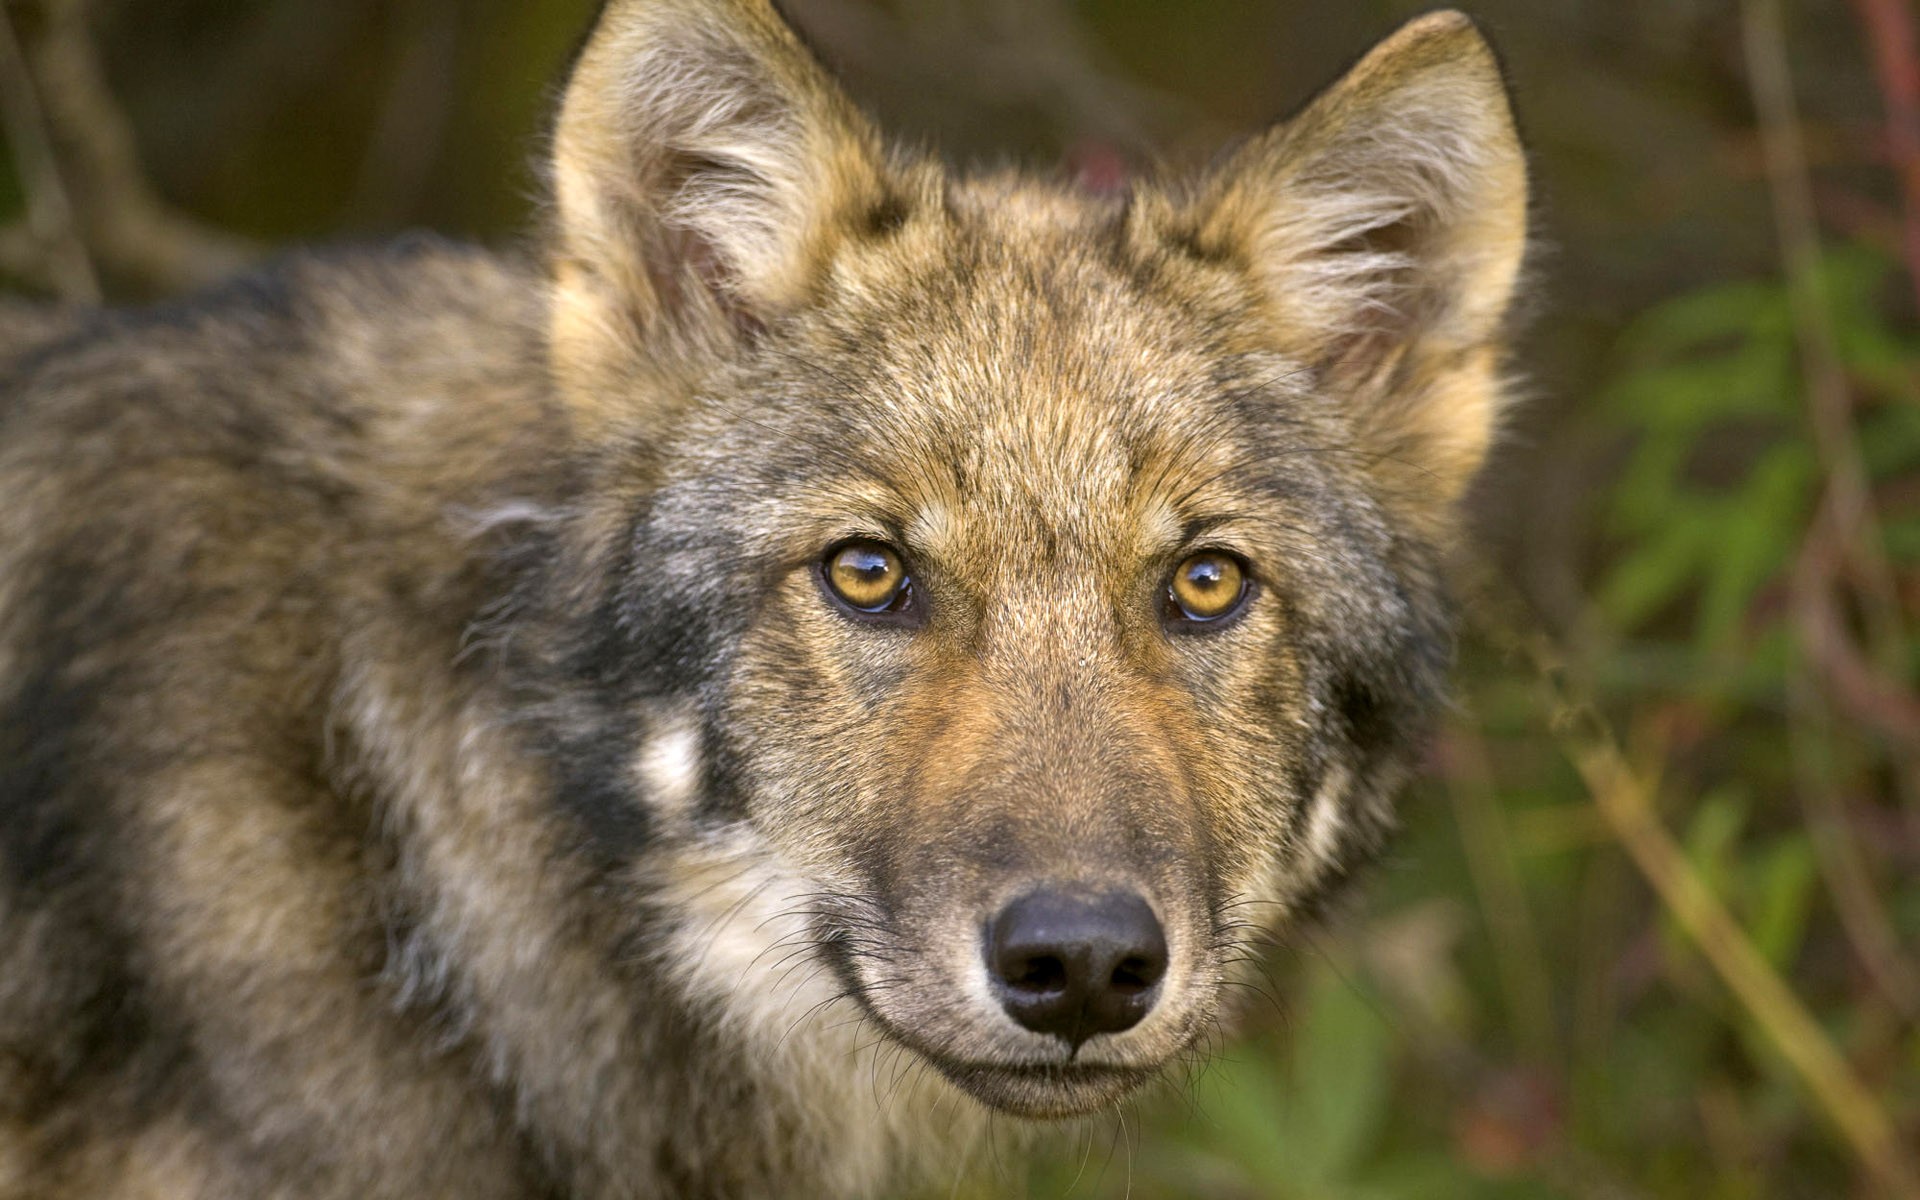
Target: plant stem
x,y
1888,26
1625,798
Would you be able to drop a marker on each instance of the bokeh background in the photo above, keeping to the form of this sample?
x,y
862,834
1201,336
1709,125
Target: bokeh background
x,y
1654,926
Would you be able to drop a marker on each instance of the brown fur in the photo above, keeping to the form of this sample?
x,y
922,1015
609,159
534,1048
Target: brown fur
x,y
430,763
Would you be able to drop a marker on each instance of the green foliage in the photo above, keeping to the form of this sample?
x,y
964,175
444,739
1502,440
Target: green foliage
x,y
1724,472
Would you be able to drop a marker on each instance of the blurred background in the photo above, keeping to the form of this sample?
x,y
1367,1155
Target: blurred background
x,y
1654,926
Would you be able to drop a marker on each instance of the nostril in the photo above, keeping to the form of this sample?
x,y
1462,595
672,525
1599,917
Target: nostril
x,y
1137,974
1039,975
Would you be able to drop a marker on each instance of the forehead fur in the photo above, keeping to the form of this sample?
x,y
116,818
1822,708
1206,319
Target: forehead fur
x,y
1013,347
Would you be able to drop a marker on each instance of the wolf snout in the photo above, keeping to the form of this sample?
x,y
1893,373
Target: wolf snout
x,y
1075,964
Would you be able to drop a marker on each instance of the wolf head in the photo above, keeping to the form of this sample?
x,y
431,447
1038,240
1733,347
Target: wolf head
x,y
1018,600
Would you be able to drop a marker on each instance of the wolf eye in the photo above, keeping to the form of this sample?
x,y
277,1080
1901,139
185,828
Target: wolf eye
x,y
1207,587
868,577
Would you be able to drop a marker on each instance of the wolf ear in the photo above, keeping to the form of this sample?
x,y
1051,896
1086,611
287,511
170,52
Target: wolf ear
x,y
1385,226
701,160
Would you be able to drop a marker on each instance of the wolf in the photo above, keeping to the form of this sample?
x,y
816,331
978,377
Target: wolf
x,y
820,650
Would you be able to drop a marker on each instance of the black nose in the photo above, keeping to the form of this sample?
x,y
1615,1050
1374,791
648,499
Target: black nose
x,y
1075,964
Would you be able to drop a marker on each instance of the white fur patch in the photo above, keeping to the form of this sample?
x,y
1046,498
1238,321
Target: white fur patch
x,y
1326,817
744,952
669,766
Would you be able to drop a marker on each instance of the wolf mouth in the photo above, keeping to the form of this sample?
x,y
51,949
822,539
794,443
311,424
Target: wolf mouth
x,y
1039,1089
1045,1090
1049,1072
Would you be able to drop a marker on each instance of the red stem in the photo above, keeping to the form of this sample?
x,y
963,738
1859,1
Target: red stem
x,y
1889,30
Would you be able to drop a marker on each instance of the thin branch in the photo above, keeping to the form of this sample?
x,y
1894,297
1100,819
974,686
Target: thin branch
x,y
1829,404
1846,528
128,229
409,133
53,247
1844,867
1848,875
1502,893
1888,26
1863,693
1626,799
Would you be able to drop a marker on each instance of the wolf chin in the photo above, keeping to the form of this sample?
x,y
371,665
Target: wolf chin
x,y
826,651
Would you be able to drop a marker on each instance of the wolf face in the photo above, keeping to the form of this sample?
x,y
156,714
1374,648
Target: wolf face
x,y
994,606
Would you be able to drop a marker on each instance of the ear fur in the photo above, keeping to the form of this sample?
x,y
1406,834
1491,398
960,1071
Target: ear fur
x,y
700,163
1385,227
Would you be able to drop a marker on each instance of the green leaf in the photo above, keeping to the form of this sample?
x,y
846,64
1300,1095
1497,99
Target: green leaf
x,y
1733,310
1781,896
1756,379
1890,439
1247,1117
1340,1084
1653,573
1753,540
1714,832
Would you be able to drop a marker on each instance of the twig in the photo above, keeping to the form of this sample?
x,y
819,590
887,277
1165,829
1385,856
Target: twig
x,y
125,225
53,246
1503,896
1829,405
1888,26
1863,693
1031,52
409,132
1848,875
1625,799
1845,869
1847,525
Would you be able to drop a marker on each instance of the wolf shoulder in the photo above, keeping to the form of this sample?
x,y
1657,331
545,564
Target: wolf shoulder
x,y
372,391
312,340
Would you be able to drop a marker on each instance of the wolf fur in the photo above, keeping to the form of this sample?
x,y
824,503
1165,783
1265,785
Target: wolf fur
x,y
429,761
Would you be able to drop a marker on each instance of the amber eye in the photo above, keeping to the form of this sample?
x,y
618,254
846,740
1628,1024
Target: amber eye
x,y
1206,587
866,576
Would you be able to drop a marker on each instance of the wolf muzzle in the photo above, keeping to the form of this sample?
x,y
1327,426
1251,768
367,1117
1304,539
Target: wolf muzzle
x,y
1074,964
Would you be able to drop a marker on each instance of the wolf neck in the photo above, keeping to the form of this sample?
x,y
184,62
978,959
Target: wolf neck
x,y
671,1027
